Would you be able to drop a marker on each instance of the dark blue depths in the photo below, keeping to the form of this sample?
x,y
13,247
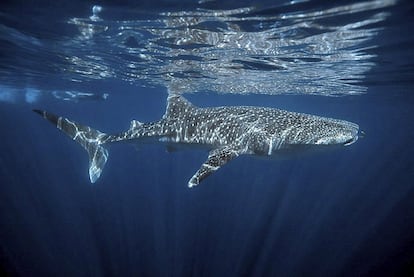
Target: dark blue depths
x,y
336,213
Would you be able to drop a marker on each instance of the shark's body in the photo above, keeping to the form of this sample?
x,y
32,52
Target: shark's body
x,y
226,131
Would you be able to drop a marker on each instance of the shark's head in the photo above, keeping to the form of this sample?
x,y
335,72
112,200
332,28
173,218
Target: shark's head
x,y
334,132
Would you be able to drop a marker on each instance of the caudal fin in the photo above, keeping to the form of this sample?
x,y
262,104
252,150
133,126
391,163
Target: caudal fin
x,y
89,138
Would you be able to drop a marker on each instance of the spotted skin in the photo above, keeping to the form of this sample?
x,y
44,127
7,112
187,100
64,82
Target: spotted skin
x,y
226,131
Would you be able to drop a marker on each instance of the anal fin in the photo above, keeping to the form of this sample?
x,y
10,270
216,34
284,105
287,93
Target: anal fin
x,y
171,148
216,159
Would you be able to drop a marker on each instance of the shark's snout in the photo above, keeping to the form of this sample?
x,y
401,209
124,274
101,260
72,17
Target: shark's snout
x,y
353,135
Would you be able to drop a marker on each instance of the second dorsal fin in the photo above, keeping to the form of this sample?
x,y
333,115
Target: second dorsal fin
x,y
135,124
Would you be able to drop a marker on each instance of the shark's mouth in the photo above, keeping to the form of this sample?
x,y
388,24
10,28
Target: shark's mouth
x,y
350,141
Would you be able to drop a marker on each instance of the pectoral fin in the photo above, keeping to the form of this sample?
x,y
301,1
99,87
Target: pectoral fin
x,y
216,159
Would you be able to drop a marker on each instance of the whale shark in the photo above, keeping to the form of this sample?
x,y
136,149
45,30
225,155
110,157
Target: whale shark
x,y
226,132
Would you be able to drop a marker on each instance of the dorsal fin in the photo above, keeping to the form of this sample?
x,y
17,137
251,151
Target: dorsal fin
x,y
177,103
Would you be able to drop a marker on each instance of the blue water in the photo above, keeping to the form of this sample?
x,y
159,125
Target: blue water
x,y
347,212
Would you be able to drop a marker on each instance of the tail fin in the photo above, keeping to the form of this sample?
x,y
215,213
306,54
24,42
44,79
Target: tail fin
x,y
89,138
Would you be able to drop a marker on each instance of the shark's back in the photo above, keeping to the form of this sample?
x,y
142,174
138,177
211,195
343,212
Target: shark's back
x,y
219,126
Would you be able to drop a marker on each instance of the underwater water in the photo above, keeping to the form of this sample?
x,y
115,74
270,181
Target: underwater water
x,y
345,212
